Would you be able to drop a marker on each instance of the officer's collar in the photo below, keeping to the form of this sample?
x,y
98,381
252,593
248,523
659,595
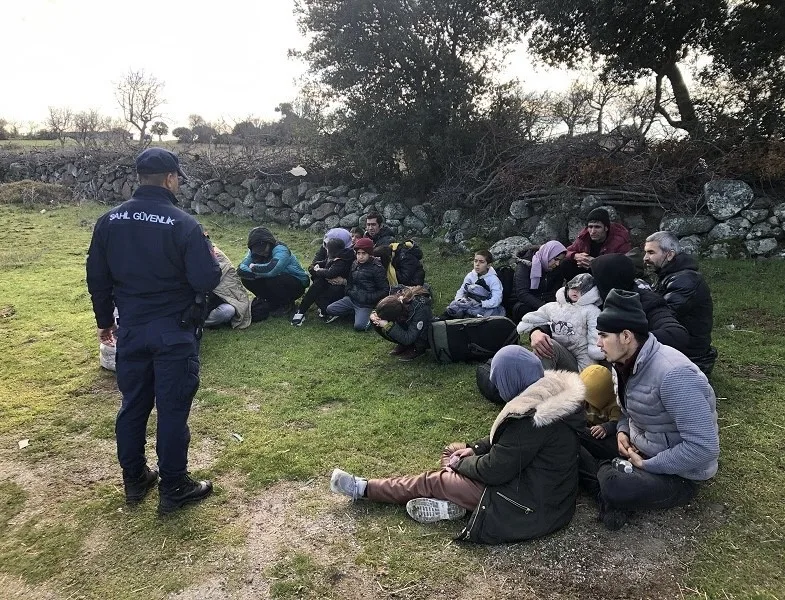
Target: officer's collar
x,y
155,192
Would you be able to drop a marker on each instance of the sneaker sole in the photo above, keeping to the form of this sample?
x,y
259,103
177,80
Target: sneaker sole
x,y
430,510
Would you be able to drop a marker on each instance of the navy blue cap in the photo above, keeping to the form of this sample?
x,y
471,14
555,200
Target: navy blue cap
x,y
158,160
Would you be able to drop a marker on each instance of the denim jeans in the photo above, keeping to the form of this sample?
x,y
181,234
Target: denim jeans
x,y
346,306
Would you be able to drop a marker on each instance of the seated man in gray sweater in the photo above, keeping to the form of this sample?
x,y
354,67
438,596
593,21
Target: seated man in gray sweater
x,y
668,424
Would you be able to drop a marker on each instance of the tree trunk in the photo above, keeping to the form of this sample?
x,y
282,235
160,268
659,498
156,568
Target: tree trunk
x,y
689,120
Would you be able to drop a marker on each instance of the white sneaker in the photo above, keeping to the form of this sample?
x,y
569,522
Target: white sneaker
x,y
430,510
298,319
347,484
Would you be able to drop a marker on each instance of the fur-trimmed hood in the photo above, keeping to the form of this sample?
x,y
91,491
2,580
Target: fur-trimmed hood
x,y
558,395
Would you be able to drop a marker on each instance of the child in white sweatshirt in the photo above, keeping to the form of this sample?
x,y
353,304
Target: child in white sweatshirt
x,y
480,294
572,319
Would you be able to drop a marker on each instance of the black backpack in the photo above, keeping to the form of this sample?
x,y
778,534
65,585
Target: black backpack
x,y
478,338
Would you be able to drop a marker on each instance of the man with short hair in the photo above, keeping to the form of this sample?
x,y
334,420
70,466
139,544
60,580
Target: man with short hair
x,y
668,425
380,234
686,292
598,238
153,261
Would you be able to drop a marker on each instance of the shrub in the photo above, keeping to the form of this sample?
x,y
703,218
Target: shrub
x,y
34,193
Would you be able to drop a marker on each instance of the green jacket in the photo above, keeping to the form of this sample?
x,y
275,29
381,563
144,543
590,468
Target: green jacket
x,y
529,463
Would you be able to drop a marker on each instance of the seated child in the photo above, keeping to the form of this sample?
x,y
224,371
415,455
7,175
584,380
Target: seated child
x,y
228,302
573,322
356,233
480,294
329,271
403,318
602,413
365,286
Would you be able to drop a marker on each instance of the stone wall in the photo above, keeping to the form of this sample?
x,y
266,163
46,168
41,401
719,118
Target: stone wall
x,y
735,222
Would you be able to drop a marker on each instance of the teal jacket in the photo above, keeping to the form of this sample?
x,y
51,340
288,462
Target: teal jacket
x,y
282,261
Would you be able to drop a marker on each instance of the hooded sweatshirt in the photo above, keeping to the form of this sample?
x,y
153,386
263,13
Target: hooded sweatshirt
x,y
573,325
279,261
492,281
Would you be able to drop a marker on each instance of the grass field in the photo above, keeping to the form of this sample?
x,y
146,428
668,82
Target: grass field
x,y
304,400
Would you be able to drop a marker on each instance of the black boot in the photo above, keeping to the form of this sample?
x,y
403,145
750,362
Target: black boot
x,y
186,492
136,488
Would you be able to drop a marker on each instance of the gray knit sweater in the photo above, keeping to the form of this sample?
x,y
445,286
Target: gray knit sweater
x,y
669,412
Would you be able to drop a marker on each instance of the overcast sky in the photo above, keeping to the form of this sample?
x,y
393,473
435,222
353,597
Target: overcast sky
x,y
224,59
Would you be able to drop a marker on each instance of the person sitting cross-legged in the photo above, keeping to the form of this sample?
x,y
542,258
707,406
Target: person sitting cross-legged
x,y
521,481
668,425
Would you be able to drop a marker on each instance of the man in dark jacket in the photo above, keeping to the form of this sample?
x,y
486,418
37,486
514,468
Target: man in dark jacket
x,y
380,234
152,261
598,238
686,292
618,271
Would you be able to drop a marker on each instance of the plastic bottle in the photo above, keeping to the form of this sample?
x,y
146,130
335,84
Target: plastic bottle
x,y
624,466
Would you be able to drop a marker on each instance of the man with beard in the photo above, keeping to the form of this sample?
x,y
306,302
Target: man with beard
x,y
678,281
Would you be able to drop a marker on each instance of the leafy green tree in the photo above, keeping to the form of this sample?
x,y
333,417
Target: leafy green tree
x,y
409,77
629,39
160,129
745,83
183,134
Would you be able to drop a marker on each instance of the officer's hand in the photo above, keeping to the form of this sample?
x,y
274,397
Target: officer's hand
x,y
106,336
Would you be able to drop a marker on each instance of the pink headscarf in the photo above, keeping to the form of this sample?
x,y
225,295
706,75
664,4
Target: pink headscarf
x,y
541,258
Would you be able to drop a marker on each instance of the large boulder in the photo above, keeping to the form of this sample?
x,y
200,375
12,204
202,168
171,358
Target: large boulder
x,y
726,198
588,204
762,247
509,247
341,190
683,225
763,230
755,215
413,224
332,221
282,216
368,198
690,245
290,196
424,212
634,221
550,227
395,211
350,220
451,217
732,229
306,221
323,210
521,209
779,212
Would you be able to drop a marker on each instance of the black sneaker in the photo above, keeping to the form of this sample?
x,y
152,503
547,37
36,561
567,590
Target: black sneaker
x,y
136,488
187,492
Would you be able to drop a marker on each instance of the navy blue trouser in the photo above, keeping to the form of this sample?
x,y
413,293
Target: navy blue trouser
x,y
157,364
638,490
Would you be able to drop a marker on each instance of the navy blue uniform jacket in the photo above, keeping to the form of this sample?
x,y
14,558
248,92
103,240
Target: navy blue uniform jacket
x,y
149,258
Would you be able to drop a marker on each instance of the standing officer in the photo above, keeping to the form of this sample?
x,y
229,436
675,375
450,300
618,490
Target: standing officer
x,y
153,261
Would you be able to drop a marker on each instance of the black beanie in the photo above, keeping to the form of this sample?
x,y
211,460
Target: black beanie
x,y
622,311
601,215
613,271
257,237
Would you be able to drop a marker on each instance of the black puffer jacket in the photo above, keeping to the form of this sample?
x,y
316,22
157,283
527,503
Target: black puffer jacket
x,y
367,282
618,271
407,262
528,299
529,464
340,266
688,295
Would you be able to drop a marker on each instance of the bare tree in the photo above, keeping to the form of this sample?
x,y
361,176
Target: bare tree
x,y
636,110
86,125
601,93
139,97
59,122
573,108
